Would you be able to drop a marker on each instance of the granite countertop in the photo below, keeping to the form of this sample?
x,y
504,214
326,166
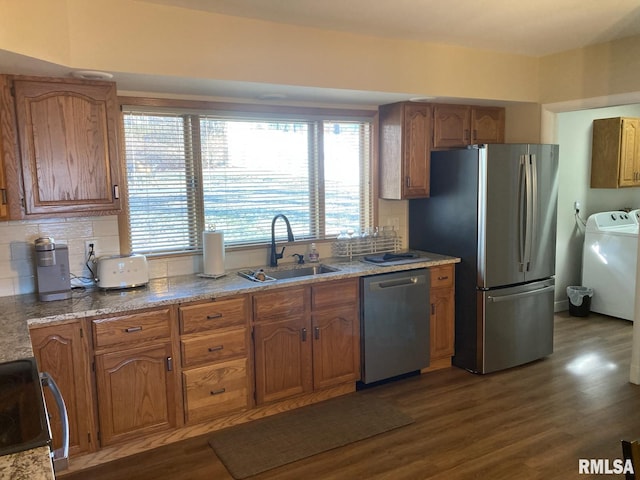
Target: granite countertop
x,y
22,311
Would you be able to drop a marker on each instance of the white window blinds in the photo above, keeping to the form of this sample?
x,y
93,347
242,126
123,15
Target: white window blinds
x,y
186,171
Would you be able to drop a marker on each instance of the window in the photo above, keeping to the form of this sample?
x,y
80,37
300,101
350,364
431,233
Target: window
x,y
188,171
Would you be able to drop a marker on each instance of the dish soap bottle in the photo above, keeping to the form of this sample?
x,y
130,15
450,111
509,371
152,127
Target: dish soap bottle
x,y
314,256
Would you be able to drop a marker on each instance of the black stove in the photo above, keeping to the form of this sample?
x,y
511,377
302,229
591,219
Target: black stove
x,y
23,421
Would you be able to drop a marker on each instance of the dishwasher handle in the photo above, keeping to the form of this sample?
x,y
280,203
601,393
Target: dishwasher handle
x,y
401,282
60,457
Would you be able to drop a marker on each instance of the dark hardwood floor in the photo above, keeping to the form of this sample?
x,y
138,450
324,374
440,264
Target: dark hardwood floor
x,y
531,422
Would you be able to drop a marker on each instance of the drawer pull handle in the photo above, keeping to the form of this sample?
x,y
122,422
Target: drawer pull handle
x,y
316,333
133,329
444,278
303,333
169,364
216,349
218,392
214,316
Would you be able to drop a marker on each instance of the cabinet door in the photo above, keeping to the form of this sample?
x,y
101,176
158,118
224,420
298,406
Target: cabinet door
x,y
442,323
335,352
487,125
136,392
61,351
630,153
451,126
4,211
68,141
282,359
417,151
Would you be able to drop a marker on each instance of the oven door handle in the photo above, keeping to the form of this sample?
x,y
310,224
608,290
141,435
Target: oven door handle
x,y
60,457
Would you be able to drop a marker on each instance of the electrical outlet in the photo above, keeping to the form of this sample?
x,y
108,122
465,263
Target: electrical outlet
x,y
90,246
576,206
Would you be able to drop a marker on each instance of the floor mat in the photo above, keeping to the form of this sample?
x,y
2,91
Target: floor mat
x,y
267,443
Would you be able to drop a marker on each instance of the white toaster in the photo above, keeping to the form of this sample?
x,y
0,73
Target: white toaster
x,y
122,271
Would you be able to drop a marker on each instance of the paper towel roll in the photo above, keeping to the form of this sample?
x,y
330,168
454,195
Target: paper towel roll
x,y
213,253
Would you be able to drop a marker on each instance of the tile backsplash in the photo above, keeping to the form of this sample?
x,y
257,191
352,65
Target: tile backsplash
x,y
17,251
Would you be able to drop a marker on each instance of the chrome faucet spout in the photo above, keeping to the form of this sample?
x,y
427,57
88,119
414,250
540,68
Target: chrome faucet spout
x,y
275,256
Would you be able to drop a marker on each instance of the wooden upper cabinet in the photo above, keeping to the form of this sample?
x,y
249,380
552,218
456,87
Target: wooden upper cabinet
x,y
68,142
487,125
409,131
615,153
457,126
451,126
405,150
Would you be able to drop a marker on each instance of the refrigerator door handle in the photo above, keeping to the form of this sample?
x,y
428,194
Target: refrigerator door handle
x,y
528,211
522,202
506,298
532,219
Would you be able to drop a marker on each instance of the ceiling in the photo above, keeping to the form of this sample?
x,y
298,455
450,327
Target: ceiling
x,y
534,28
529,28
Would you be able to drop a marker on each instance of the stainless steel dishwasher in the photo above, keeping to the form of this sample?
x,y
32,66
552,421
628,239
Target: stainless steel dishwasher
x,y
394,324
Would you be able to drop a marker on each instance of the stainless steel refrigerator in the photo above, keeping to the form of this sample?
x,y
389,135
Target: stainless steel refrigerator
x,y
494,206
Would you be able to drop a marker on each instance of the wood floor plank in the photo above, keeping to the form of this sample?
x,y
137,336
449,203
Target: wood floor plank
x,y
531,422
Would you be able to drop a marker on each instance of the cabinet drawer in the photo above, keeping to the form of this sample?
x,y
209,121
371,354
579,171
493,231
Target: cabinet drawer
x,y
213,347
217,314
214,390
331,294
281,303
442,276
131,328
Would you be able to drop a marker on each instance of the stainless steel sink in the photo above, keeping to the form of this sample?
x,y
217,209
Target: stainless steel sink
x,y
301,272
296,272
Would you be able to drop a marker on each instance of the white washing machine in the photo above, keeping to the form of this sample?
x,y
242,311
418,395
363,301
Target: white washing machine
x,y
609,262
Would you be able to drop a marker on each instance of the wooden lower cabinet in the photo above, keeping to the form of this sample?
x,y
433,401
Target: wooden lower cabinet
x,y
214,342
215,389
442,319
283,362
335,358
135,374
315,348
62,352
135,392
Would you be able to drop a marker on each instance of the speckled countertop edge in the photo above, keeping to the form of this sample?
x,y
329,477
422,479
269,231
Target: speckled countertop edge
x,y
20,312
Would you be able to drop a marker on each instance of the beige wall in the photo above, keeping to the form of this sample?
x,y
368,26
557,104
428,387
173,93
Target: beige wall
x,y
138,37
603,70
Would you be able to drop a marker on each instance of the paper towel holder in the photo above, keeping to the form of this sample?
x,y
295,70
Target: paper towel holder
x,y
219,255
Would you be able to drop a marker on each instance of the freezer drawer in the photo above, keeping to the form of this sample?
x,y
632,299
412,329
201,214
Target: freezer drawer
x,y
517,325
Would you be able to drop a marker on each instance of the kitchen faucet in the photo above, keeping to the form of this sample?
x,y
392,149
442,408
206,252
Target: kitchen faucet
x,y
273,262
